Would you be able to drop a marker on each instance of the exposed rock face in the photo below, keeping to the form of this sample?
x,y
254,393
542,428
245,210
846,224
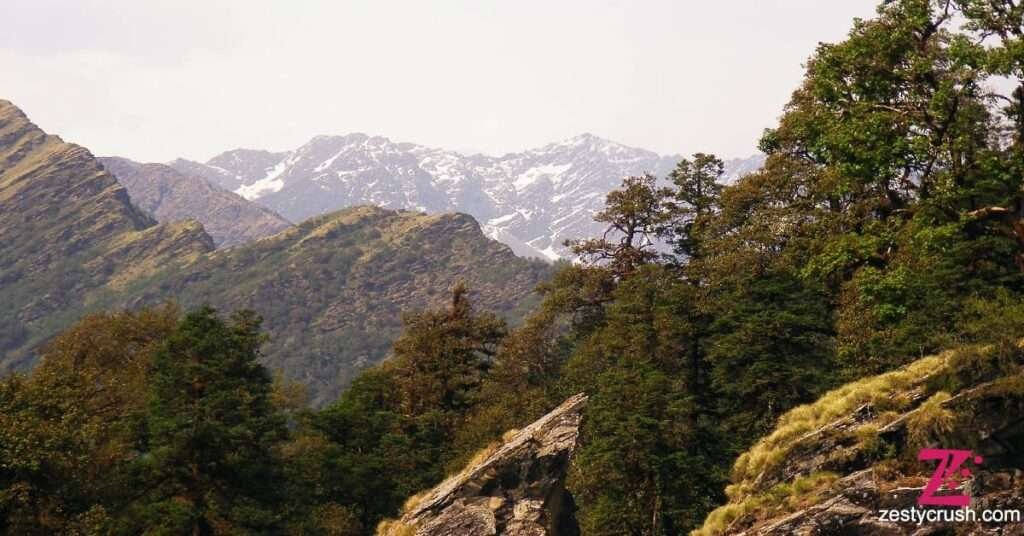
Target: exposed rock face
x,y
171,196
517,490
834,466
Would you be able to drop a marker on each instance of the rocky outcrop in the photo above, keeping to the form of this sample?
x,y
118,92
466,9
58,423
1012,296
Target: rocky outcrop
x,y
171,196
840,465
856,503
517,489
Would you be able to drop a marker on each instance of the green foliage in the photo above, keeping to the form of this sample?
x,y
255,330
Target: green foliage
x,y
68,429
210,430
331,290
644,427
634,214
692,200
771,348
442,357
931,421
363,453
885,225
780,499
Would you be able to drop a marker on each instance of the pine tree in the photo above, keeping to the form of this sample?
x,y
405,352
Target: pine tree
x,y
693,200
634,213
207,465
644,426
441,358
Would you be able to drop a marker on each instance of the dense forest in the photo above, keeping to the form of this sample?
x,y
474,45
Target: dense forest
x,y
886,224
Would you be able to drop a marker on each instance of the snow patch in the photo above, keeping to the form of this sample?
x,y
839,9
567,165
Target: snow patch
x,y
502,219
519,247
327,163
270,183
534,174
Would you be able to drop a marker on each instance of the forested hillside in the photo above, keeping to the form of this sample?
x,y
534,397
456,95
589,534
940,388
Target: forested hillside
x,y
332,290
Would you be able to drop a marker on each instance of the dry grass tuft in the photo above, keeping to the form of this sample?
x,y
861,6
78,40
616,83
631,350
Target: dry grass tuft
x,y
780,499
931,421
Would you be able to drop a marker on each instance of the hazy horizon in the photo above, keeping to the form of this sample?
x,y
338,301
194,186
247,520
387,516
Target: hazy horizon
x,y
159,80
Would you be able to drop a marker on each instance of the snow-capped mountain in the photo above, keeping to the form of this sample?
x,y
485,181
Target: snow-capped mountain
x,y
532,201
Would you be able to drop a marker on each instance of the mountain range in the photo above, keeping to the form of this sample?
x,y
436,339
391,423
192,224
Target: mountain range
x,y
331,289
532,200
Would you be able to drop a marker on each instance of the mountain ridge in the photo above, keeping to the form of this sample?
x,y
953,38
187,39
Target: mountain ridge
x,y
169,195
532,200
66,229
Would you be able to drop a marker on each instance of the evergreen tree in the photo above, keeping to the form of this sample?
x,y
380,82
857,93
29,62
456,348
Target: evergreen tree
x,y
771,348
649,461
392,433
693,200
441,359
634,214
208,465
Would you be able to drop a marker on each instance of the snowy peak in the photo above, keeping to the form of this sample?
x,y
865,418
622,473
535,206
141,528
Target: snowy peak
x,y
532,200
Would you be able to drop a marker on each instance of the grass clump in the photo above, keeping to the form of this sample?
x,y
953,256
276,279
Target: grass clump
x,y
802,420
390,527
871,443
781,498
891,393
931,421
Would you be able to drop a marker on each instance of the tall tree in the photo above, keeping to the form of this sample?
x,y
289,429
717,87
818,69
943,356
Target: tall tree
x,y
644,425
634,213
208,465
442,356
694,199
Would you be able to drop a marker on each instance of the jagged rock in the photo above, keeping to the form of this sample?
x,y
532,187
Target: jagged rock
x,y
517,490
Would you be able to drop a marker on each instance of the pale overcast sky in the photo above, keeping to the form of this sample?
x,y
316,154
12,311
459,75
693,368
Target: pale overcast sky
x,y
157,79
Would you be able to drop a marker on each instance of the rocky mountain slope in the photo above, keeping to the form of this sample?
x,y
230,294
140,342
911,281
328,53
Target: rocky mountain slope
x,y
67,228
169,196
516,488
832,467
331,289
533,201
